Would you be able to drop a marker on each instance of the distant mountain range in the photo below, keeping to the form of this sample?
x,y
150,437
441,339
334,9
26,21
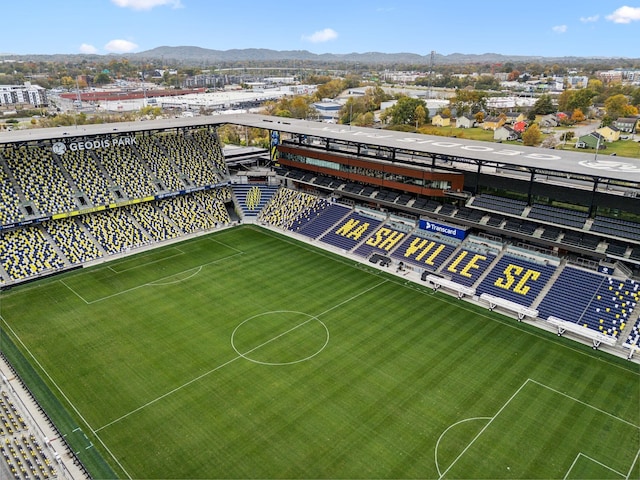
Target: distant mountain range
x,y
198,55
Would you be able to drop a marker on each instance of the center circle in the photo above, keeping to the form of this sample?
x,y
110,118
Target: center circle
x,y
282,337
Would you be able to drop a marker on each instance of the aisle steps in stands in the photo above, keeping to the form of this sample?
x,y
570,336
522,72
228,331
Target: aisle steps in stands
x,y
54,245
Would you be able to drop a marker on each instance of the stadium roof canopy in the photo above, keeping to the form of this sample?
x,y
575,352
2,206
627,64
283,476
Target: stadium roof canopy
x,y
592,165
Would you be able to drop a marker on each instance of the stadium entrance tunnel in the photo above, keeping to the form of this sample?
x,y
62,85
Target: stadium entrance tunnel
x,y
280,337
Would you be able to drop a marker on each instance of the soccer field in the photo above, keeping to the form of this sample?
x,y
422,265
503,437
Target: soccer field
x,y
245,354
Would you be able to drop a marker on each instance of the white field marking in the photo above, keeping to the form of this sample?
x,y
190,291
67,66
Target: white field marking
x,y
74,292
311,317
317,249
154,282
584,403
141,265
180,387
215,240
635,460
483,429
164,395
447,429
159,283
53,382
514,325
352,298
580,454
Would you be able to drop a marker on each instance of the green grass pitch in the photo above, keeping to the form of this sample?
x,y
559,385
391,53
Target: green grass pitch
x,y
245,354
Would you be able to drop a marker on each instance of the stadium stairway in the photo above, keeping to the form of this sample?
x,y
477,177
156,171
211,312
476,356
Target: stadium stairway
x,y
489,267
67,176
624,334
549,284
54,245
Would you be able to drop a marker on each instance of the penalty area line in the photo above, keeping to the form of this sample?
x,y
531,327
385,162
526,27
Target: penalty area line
x,y
484,428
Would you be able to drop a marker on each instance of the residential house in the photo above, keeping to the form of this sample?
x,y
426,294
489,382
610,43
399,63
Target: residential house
x,y
627,124
520,127
609,133
591,140
439,120
505,132
515,117
492,123
465,121
547,121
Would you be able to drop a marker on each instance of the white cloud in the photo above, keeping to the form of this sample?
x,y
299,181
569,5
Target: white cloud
x,y
120,46
86,48
625,15
559,28
147,4
321,36
592,18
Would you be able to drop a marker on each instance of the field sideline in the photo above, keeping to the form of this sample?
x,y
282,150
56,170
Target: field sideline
x,y
246,354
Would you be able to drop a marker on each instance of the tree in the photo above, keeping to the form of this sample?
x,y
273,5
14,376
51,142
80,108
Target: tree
x,y
513,76
577,116
544,105
532,136
615,106
469,101
420,115
479,117
67,82
404,111
102,79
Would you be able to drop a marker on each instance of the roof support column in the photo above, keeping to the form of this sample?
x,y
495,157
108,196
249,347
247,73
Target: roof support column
x,y
593,195
532,179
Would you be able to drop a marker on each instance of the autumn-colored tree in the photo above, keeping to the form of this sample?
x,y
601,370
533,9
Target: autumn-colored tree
x,y
513,76
615,105
420,115
479,117
577,116
67,82
532,136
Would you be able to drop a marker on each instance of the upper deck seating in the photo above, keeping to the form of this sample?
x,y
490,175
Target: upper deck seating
x,y
128,171
616,227
88,177
562,216
190,159
9,200
500,204
159,163
40,179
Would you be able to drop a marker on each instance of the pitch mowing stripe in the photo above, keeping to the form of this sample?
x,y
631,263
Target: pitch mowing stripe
x,y
585,404
231,361
483,429
53,382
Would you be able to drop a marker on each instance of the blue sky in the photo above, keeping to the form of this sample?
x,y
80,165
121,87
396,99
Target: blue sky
x,y
589,28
